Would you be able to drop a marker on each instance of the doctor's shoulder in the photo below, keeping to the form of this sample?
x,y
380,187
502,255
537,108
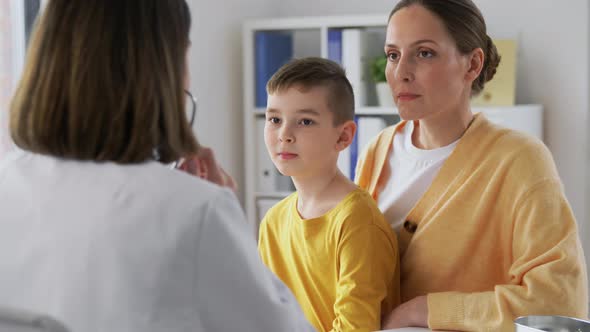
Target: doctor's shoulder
x,y
187,192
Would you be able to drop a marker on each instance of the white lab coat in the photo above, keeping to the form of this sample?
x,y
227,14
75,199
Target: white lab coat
x,y
133,248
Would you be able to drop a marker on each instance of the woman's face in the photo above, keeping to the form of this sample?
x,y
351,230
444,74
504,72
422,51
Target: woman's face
x,y
425,71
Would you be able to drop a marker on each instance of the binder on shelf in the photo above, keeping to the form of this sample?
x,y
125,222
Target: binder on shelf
x,y
266,172
272,50
354,149
501,90
345,46
353,47
335,45
269,179
359,47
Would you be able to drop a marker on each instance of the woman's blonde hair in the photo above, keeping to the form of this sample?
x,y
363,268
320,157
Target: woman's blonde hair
x,y
103,81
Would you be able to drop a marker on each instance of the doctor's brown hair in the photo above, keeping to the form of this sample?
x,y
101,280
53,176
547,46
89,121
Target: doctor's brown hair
x,y
466,25
103,81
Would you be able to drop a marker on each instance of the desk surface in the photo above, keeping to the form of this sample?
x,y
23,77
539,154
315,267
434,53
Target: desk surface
x,y
407,329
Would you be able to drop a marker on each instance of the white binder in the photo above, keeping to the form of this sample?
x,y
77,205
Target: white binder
x,y
266,173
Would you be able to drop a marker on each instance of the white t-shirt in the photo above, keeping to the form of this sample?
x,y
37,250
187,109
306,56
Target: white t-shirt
x,y
412,172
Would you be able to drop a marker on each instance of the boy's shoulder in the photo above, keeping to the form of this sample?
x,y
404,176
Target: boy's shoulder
x,y
359,208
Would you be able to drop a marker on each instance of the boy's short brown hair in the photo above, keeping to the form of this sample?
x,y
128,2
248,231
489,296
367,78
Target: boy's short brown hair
x,y
311,72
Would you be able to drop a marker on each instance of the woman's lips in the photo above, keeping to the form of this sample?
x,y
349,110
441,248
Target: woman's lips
x,y
407,96
287,155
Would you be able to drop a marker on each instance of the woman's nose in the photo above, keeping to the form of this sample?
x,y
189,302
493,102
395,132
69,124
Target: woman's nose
x,y
404,70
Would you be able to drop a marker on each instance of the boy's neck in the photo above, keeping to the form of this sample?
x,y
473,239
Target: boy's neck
x,y
319,194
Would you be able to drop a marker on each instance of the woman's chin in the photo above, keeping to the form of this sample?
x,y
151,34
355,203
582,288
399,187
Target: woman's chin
x,y
408,115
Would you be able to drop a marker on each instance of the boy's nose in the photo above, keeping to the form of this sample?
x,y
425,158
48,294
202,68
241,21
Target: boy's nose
x,y
286,136
286,139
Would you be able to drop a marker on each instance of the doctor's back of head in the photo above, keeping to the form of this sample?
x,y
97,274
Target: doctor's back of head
x,y
95,230
103,81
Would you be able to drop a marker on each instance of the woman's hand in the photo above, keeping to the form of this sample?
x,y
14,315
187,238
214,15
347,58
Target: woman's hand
x,y
411,313
204,165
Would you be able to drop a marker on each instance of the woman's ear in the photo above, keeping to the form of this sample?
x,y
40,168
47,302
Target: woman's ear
x,y
347,131
476,59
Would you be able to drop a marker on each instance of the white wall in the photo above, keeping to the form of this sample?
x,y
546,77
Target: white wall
x,y
6,71
216,74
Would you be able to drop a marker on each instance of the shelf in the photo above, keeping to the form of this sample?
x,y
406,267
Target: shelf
x,y
315,22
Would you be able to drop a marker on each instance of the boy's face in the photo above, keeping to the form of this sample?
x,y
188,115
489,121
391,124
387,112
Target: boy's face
x,y
299,133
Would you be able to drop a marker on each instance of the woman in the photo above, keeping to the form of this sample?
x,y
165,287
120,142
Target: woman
x,y
95,231
485,231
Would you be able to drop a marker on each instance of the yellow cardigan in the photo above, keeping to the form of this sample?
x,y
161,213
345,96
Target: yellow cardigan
x,y
493,238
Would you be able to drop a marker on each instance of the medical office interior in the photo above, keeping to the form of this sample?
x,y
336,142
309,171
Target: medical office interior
x,y
551,72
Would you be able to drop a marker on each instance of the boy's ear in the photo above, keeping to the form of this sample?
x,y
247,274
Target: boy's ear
x,y
347,131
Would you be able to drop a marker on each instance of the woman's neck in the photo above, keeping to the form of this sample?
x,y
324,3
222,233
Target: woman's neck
x,y
441,129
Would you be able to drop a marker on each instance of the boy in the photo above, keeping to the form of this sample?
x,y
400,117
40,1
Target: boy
x,y
328,242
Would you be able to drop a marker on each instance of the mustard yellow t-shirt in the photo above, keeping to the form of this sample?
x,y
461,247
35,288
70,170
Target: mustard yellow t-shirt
x,y
342,267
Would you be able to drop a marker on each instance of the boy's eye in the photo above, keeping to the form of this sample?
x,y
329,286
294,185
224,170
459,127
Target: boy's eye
x,y
274,120
306,122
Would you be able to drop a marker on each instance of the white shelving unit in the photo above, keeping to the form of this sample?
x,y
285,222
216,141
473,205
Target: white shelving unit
x,y
311,36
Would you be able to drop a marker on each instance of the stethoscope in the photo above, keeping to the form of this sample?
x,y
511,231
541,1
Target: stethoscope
x,y
193,113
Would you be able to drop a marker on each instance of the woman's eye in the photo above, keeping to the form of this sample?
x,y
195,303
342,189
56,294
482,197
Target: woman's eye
x,y
425,54
274,120
392,56
306,122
